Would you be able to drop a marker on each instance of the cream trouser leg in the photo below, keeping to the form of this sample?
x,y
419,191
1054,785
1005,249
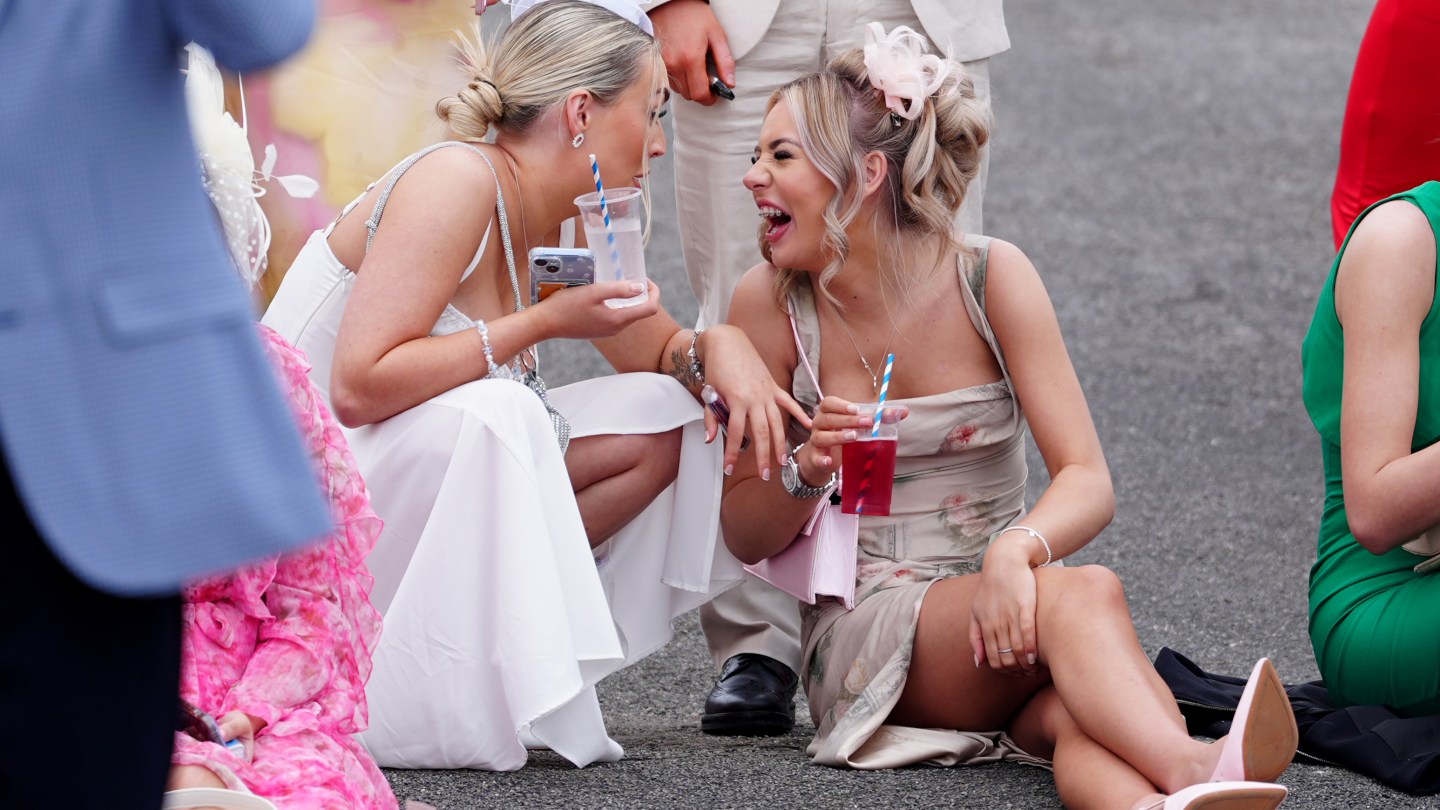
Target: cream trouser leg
x,y
719,232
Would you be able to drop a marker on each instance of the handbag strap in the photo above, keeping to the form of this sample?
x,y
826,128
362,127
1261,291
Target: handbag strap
x,y
800,349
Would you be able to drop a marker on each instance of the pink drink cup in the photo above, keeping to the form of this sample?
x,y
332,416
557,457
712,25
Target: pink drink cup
x,y
867,475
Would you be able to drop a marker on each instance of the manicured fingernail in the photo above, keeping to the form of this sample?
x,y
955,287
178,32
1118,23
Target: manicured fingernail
x,y
1030,657
637,287
848,435
977,662
853,409
729,469
765,474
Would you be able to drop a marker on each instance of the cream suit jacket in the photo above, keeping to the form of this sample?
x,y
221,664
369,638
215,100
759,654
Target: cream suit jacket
x,y
964,30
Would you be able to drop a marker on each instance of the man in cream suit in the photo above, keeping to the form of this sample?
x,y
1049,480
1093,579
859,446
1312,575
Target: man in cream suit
x,y
755,46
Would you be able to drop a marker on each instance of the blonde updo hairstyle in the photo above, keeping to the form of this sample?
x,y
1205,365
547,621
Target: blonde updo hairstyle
x,y
841,117
553,49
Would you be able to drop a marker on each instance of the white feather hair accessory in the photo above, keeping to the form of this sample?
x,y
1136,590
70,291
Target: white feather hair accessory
x,y
627,9
899,67
228,165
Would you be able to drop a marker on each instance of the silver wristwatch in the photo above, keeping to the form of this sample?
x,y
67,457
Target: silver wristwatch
x,y
795,485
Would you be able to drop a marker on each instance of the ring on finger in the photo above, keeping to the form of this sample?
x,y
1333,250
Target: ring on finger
x,y
1005,651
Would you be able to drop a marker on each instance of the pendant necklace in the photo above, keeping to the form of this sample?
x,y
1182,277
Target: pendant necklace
x,y
874,379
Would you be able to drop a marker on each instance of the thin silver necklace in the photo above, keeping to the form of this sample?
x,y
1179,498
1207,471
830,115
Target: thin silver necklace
x,y
874,379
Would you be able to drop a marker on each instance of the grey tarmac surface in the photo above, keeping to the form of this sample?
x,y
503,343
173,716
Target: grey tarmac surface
x,y
1167,165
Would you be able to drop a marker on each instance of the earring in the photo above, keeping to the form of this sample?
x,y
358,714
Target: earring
x,y
577,140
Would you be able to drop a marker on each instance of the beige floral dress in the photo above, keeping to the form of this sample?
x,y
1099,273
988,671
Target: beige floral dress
x,y
959,479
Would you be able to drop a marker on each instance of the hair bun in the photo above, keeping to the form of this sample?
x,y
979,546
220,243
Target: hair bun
x,y
471,112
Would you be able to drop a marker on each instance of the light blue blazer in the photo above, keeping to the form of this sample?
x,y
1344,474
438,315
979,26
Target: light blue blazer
x,y
141,422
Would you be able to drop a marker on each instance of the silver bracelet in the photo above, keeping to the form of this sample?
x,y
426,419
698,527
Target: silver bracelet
x,y
1049,558
697,368
485,339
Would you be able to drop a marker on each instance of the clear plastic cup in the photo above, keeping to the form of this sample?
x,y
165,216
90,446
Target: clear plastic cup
x,y
867,468
625,259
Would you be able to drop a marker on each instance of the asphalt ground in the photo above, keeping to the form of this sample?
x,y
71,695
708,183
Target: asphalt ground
x,y
1167,165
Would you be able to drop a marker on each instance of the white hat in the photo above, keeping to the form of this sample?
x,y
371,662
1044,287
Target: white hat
x,y
628,9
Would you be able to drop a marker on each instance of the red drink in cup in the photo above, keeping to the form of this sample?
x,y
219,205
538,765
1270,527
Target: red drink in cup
x,y
867,475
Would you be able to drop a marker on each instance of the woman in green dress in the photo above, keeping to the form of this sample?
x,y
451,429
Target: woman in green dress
x,y
1372,388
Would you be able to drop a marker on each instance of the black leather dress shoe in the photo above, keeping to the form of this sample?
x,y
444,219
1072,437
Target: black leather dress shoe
x,y
755,696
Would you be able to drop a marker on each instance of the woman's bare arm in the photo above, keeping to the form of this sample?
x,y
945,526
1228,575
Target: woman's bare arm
x,y
1383,292
1080,500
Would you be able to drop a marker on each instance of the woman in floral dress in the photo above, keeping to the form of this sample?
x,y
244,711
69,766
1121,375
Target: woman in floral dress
x,y
279,652
964,644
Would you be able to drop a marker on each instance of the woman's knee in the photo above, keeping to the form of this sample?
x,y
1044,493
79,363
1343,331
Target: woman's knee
x,y
661,453
1087,587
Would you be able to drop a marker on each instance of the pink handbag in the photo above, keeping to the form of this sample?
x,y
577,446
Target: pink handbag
x,y
820,561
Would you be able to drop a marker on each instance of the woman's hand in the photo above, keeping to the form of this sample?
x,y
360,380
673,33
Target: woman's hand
x,y
756,403
243,727
1002,619
581,312
837,422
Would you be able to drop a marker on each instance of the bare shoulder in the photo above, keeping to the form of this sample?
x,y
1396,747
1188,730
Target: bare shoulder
x,y
454,173
754,309
434,218
1389,264
1006,259
1394,231
1011,279
755,294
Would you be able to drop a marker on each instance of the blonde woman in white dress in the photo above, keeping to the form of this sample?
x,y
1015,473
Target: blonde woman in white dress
x,y
414,312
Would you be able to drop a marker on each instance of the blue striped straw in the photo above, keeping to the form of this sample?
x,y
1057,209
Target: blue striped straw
x,y
874,432
884,390
605,212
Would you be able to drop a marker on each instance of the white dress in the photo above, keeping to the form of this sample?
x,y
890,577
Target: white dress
x,y
498,620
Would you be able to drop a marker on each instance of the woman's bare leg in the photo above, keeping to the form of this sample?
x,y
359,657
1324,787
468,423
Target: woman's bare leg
x,y
616,477
1087,774
1101,677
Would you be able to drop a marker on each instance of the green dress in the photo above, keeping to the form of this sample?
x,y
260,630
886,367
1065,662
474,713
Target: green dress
x,y
1374,622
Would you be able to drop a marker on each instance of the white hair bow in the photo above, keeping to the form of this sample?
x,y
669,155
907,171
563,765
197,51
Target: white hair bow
x,y
899,67
229,167
626,9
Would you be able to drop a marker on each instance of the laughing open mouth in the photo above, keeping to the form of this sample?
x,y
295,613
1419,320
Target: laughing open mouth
x,y
776,218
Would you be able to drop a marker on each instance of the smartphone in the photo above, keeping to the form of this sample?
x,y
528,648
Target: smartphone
x,y
198,724
553,269
717,406
717,87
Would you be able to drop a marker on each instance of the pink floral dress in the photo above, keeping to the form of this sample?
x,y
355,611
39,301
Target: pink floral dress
x,y
289,640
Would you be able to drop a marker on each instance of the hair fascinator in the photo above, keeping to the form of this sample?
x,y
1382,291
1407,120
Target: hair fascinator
x,y
228,166
899,67
626,9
